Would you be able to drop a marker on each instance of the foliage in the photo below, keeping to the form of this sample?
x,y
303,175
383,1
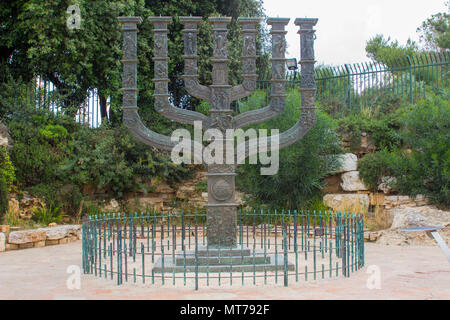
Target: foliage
x,y
12,218
422,165
7,170
435,31
381,126
302,165
373,167
56,158
4,205
389,52
35,39
45,216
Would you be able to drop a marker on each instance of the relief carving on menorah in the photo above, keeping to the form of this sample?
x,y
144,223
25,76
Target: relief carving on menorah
x,y
221,208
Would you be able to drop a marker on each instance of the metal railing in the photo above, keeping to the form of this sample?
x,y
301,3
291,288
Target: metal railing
x,y
170,248
352,86
356,86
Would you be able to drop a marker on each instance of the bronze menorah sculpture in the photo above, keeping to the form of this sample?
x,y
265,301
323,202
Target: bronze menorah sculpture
x,y
221,208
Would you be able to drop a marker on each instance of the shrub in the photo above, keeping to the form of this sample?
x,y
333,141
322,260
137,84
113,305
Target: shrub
x,y
424,167
47,215
4,205
7,170
303,165
373,167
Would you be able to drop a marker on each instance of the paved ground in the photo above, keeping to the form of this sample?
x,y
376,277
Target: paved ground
x,y
405,273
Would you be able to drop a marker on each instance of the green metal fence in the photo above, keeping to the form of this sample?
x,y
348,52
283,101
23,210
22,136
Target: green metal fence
x,y
355,86
170,248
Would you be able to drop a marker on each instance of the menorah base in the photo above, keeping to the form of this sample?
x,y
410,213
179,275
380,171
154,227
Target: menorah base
x,y
238,259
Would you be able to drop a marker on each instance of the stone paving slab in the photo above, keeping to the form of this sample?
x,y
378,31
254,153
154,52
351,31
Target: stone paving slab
x,y
406,273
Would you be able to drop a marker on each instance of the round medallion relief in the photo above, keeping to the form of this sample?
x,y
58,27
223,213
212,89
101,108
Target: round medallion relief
x,y
222,190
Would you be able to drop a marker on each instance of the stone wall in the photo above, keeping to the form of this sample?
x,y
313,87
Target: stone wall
x,y
38,238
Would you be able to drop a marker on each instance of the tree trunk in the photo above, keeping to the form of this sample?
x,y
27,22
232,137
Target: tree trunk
x,y
103,109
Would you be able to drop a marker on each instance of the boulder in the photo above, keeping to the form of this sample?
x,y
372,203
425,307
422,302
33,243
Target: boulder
x,y
347,202
2,242
351,182
5,139
113,205
426,216
386,183
410,217
27,236
60,232
349,162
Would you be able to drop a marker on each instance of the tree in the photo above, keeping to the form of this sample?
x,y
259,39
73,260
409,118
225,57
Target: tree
x,y
435,31
389,52
35,39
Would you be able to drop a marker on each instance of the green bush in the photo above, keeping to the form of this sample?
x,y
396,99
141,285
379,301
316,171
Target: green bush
x,y
422,166
7,170
373,167
4,205
303,165
47,215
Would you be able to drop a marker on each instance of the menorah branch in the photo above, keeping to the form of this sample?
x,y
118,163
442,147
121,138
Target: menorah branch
x,y
278,95
161,80
308,91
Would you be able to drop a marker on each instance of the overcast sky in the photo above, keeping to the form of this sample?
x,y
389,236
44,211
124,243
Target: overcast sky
x,y
345,25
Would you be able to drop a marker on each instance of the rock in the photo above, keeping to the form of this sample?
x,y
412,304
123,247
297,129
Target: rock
x,y
14,206
347,202
185,191
147,202
398,201
205,195
5,139
411,217
27,236
371,236
349,162
333,184
39,244
60,232
386,183
2,242
351,182
53,224
426,216
11,246
160,187
113,205
28,204
4,228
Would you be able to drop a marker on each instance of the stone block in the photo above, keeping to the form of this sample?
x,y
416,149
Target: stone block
x,y
347,202
11,246
349,162
351,182
39,244
2,242
26,245
63,241
26,236
4,228
51,242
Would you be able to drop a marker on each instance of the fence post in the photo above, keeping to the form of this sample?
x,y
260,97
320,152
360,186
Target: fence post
x,y
349,95
411,97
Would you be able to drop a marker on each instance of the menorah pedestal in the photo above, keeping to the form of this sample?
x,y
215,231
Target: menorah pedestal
x,y
214,260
